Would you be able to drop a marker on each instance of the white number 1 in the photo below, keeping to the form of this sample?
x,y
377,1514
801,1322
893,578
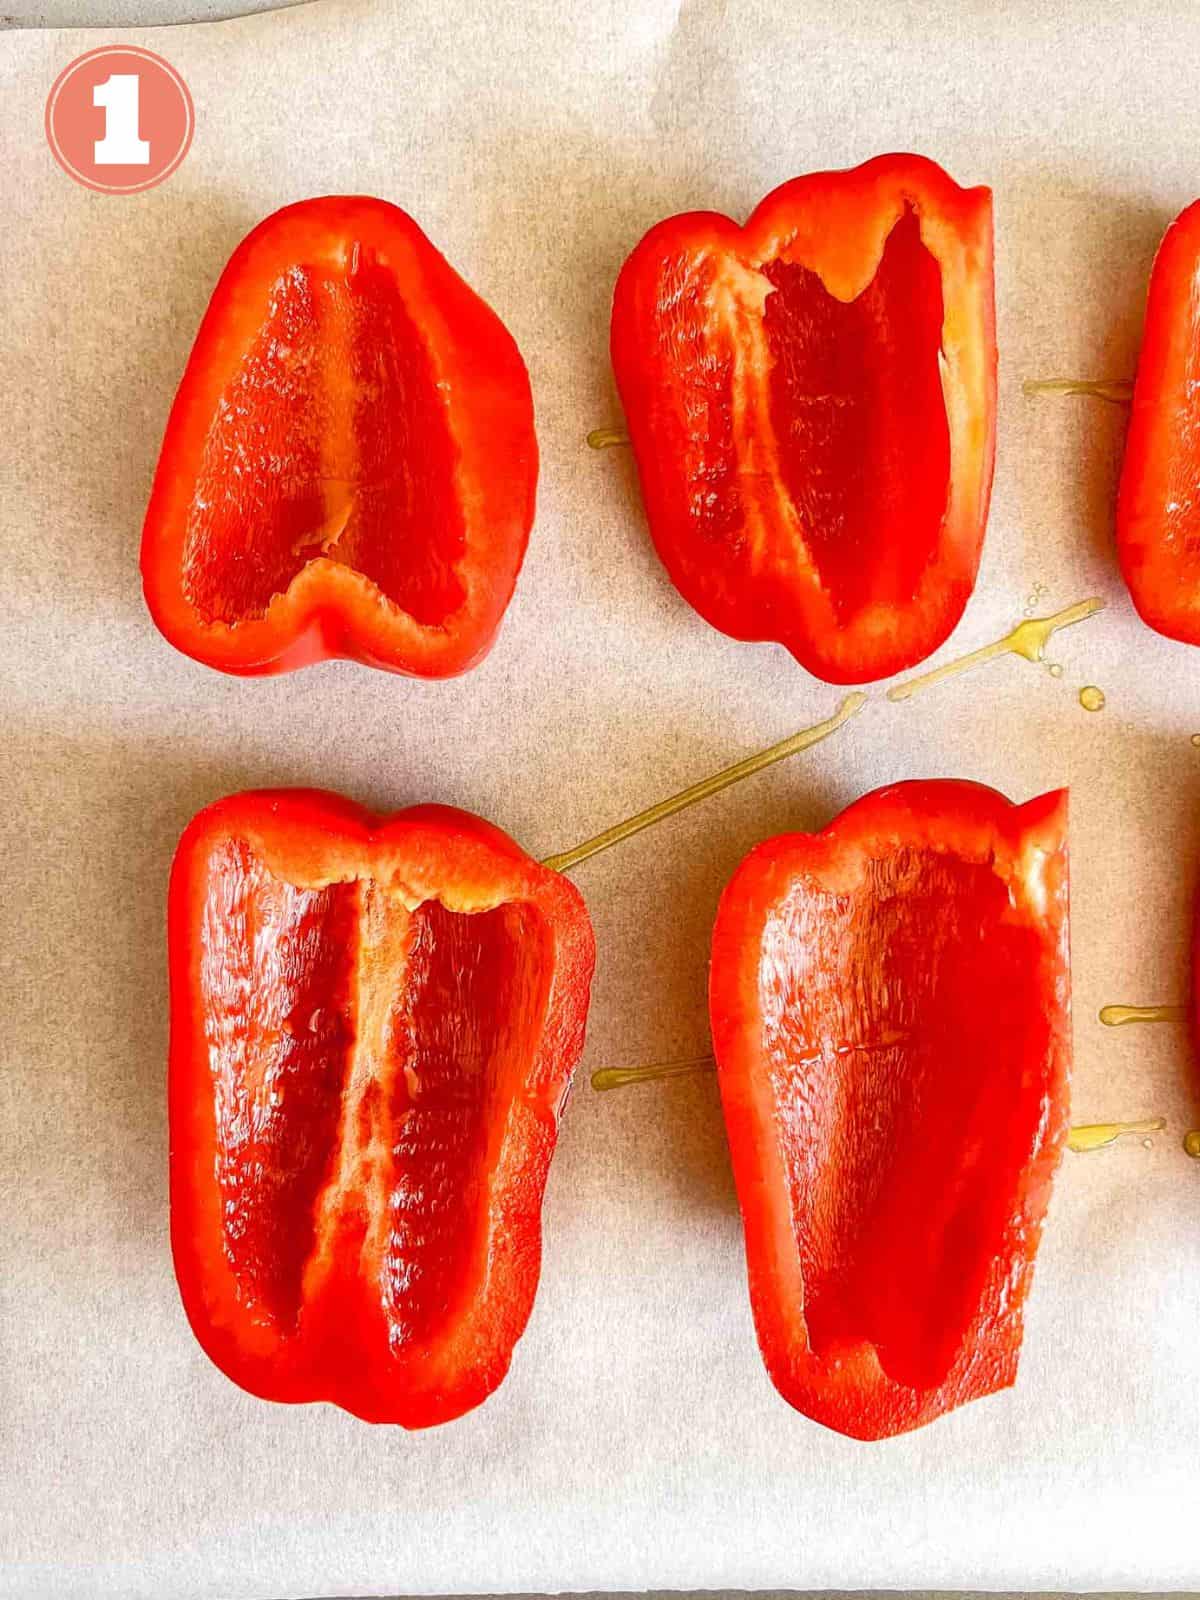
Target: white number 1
x,y
120,146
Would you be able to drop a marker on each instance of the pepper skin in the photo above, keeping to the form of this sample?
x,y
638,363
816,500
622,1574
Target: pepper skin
x,y
890,1003
1158,506
350,465
374,1025
811,402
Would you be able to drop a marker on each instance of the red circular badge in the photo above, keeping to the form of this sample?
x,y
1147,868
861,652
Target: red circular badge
x,y
119,119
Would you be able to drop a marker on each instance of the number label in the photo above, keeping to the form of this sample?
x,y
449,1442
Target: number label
x,y
121,145
119,119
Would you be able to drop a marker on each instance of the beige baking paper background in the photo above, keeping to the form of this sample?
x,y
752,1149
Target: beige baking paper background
x,y
637,1441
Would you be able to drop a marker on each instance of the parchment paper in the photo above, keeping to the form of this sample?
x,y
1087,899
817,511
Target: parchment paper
x,y
637,1441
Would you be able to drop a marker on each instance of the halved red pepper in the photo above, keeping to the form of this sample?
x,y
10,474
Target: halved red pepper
x,y
350,464
811,403
374,1024
890,1004
1158,507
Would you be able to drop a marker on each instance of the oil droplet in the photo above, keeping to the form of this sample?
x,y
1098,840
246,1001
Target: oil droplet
x,y
606,438
1054,669
1191,1144
1117,390
1099,1135
619,1077
1091,698
1196,740
851,705
1118,1016
1028,640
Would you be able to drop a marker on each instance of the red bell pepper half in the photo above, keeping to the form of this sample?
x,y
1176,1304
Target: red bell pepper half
x,y
811,404
374,1024
890,1003
350,464
1158,507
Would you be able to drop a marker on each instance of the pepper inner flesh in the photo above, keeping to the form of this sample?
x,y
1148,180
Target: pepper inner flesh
x,y
329,442
1178,423
363,1059
859,420
895,1019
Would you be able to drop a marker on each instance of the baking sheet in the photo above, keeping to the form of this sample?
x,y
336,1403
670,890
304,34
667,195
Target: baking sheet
x,y
637,1441
126,13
